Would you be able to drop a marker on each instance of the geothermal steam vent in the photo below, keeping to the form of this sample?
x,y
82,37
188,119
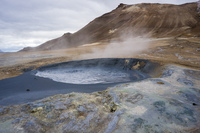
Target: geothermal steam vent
x,y
95,71
85,76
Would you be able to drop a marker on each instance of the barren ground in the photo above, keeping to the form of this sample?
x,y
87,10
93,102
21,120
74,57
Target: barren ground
x,y
181,51
168,103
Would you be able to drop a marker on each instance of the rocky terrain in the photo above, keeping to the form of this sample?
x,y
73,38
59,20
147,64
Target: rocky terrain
x,y
166,102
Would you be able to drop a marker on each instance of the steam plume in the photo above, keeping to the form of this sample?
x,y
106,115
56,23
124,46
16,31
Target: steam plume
x,y
127,45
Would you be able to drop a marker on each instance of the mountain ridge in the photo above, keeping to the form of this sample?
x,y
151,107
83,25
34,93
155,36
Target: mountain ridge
x,y
145,19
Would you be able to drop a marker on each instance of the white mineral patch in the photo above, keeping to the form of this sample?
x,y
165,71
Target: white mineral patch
x,y
112,31
90,44
138,110
85,75
133,9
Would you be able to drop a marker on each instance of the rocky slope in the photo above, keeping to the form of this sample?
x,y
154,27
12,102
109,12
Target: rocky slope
x,y
166,104
153,20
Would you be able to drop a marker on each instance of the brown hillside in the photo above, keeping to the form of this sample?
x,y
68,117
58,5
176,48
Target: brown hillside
x,y
154,20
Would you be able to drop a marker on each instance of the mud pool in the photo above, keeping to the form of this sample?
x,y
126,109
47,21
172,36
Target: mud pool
x,y
84,76
91,72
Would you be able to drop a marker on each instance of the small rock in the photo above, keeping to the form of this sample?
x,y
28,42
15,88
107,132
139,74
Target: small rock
x,y
161,83
194,104
37,109
113,107
81,117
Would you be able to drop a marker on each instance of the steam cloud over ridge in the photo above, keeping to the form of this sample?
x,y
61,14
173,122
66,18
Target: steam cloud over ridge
x,y
128,45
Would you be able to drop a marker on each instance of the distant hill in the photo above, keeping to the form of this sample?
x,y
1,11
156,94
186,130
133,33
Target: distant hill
x,y
1,51
155,20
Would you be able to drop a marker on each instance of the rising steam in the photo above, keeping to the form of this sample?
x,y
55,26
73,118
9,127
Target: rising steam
x,y
127,45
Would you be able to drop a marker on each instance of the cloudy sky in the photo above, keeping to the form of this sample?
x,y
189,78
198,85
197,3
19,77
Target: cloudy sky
x,y
32,22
